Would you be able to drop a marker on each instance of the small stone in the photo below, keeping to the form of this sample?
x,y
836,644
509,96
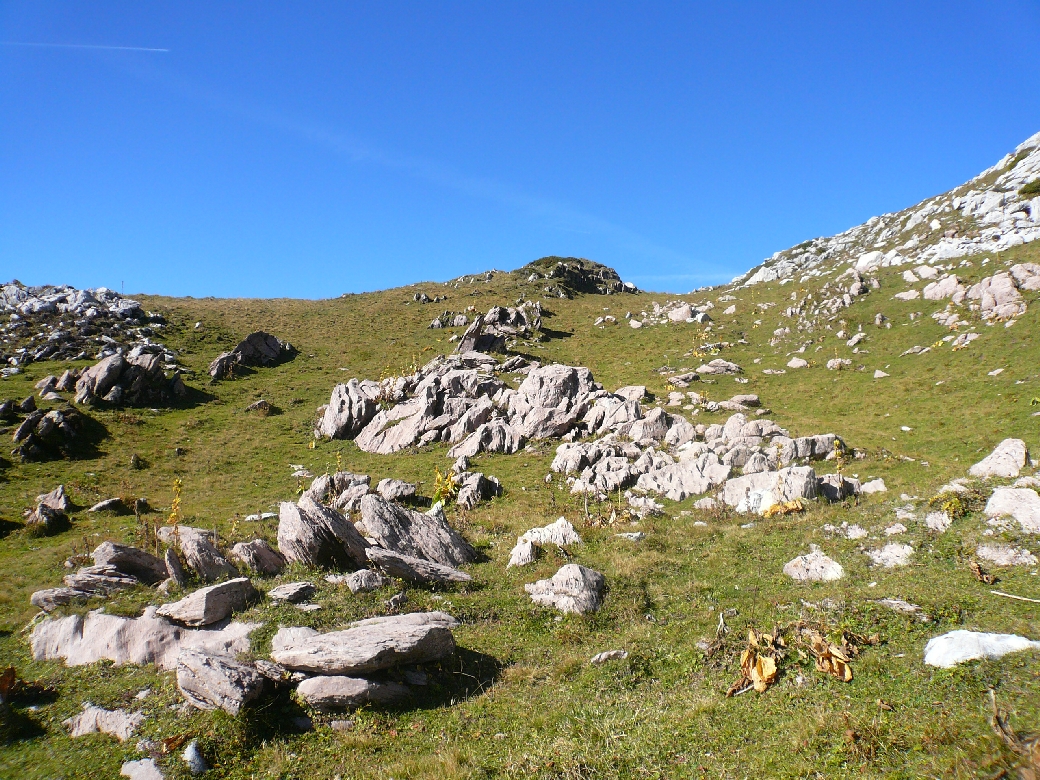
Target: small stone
x,y
815,566
608,655
193,758
292,592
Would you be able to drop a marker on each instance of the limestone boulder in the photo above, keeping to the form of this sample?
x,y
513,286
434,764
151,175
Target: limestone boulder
x,y
573,589
412,533
258,556
414,570
1006,460
130,560
213,681
1022,504
369,648
341,693
211,604
316,535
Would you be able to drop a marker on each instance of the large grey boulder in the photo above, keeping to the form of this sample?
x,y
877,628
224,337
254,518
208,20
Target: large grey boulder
x,y
98,380
474,487
259,556
202,557
118,723
395,489
316,535
213,681
130,560
415,570
496,436
86,639
406,531
57,500
210,605
350,409
758,492
1006,460
256,349
369,648
573,589
1022,504
100,580
550,400
690,477
338,693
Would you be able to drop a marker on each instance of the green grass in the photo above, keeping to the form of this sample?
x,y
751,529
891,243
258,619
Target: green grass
x,y
521,699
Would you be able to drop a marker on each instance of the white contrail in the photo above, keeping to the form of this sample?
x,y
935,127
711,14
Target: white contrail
x,y
81,46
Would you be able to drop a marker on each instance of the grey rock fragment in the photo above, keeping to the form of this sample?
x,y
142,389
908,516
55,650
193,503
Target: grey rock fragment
x,y
370,646
213,681
573,589
211,604
259,556
415,570
339,693
130,560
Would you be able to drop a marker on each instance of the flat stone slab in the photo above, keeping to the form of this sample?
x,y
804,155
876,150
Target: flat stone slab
x,y
416,570
369,648
959,646
339,694
86,639
293,592
95,720
211,604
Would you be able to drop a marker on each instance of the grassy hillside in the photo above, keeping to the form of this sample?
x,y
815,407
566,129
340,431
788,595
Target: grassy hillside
x,y
522,699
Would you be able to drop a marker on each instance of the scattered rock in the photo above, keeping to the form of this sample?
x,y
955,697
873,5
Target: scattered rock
x,y
257,349
1022,504
416,570
339,694
956,647
395,489
202,557
609,655
315,535
130,560
371,646
573,589
80,639
193,757
874,486
560,533
1005,555
1005,461
259,556
210,605
215,681
93,720
892,555
813,567
143,769
292,592
405,531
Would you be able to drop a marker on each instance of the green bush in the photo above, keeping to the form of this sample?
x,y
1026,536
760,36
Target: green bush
x,y
1030,188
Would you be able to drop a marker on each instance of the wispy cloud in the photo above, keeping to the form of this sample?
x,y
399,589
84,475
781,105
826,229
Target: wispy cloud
x,y
94,46
355,150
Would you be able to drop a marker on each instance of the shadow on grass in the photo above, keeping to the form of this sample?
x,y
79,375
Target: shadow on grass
x,y
550,334
8,527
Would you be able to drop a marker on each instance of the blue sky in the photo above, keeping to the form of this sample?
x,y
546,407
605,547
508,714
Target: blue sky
x,y
311,149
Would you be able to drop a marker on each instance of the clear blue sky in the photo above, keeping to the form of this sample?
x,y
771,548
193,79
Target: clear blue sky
x,y
309,149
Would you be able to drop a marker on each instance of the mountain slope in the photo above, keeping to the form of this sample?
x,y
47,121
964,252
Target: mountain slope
x,y
997,210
